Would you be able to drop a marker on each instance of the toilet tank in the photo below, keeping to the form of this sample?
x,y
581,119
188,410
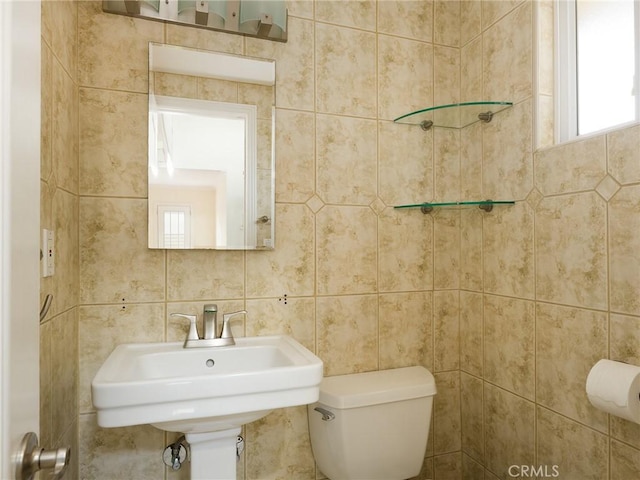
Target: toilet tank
x,y
380,424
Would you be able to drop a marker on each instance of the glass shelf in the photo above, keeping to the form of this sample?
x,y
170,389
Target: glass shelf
x,y
456,115
486,205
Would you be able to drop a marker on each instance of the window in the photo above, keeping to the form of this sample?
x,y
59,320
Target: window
x,y
598,83
174,226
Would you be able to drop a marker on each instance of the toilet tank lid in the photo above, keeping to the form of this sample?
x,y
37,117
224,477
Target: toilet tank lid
x,y
371,388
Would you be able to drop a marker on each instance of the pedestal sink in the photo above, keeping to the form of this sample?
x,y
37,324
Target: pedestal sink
x,y
205,393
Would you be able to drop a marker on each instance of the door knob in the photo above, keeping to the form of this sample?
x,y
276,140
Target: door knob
x,y
31,458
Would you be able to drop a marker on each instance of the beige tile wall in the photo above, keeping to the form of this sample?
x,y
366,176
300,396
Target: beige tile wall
x,y
550,285
351,278
59,212
509,310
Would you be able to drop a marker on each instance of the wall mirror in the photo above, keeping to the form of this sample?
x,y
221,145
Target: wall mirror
x,y
211,150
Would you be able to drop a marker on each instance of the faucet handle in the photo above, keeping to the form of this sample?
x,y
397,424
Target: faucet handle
x,y
193,328
226,328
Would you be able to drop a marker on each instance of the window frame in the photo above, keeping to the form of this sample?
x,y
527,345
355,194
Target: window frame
x,y
566,68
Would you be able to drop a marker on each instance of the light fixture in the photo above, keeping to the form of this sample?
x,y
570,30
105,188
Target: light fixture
x,y
262,17
254,18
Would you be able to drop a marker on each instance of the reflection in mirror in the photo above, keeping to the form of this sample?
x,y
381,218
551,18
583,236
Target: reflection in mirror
x,y
211,131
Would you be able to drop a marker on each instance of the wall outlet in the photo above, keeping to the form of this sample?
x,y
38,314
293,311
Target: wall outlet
x,y
48,253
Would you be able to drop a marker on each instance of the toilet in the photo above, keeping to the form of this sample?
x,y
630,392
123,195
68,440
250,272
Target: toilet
x,y
373,425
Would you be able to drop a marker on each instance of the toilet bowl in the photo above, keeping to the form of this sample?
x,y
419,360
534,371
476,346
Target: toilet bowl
x,y
374,425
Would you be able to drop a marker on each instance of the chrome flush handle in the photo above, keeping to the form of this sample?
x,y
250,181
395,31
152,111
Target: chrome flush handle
x,y
327,416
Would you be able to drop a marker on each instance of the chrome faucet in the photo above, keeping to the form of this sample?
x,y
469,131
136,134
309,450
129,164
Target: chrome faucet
x,y
210,326
210,321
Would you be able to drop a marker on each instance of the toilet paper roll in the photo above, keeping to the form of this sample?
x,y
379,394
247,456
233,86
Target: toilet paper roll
x,y
614,387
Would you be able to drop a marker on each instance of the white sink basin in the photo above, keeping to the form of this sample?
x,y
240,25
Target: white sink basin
x,y
204,389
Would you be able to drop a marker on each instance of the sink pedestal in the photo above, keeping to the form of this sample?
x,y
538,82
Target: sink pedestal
x,y
213,454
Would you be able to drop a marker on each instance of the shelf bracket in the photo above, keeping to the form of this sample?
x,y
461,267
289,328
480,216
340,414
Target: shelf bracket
x,y
426,209
426,125
487,207
486,117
